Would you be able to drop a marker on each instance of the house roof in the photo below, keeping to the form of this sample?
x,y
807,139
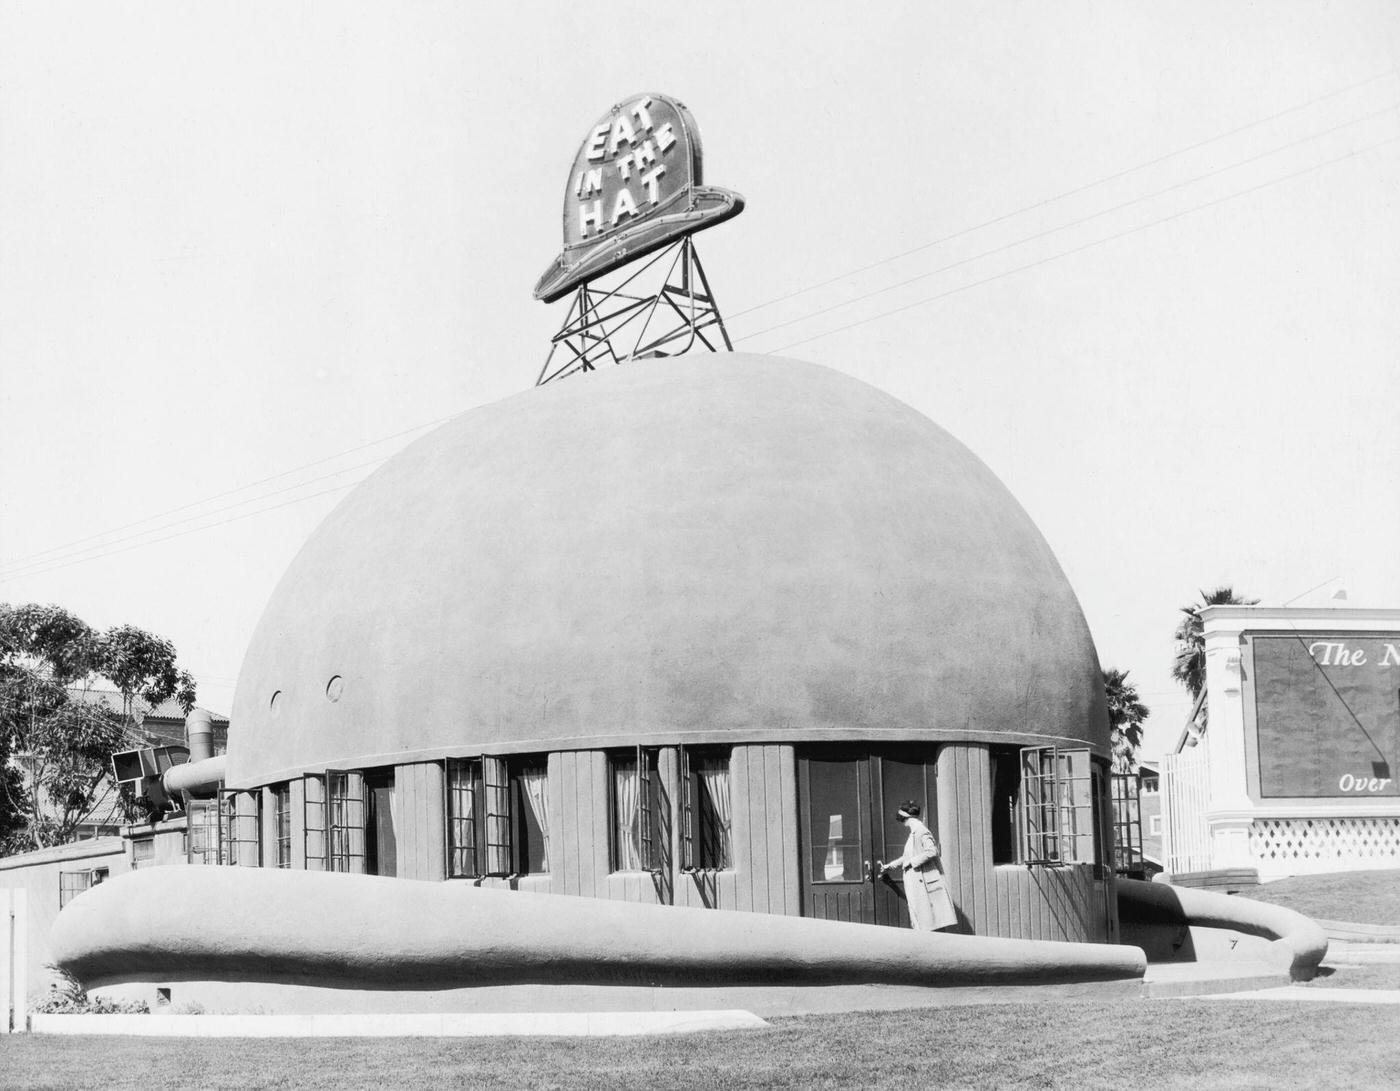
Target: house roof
x,y
168,709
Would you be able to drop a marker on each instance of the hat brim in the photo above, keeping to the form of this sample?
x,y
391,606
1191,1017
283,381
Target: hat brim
x,y
708,206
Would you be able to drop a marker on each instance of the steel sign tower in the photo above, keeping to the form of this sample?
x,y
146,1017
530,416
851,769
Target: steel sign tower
x,y
635,192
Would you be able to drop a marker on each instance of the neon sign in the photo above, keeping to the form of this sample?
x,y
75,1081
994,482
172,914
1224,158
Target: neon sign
x,y
635,186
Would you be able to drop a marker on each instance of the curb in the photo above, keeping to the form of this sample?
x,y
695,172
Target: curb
x,y
551,1024
1361,933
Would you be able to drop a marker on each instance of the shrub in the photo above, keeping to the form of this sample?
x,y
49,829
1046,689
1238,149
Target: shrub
x,y
68,997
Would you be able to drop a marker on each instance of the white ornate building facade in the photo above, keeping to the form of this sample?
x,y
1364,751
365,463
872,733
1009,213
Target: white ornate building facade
x,y
1297,770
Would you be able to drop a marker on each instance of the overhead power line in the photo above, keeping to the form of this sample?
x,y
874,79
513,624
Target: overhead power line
x,y
191,530
227,492
31,565
100,548
1088,245
1068,193
1072,223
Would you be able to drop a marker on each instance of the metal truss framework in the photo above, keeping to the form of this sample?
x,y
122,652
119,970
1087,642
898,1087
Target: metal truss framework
x,y
628,322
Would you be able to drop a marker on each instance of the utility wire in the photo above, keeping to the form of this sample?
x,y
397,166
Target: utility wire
x,y
1067,193
1066,226
227,492
840,329
19,563
16,571
191,530
1088,245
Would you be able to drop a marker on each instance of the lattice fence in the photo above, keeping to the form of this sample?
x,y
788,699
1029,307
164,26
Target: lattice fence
x,y
1301,845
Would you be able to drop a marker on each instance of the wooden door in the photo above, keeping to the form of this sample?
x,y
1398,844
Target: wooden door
x,y
900,776
848,800
836,836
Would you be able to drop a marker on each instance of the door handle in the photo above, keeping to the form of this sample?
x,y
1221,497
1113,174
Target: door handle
x,y
868,876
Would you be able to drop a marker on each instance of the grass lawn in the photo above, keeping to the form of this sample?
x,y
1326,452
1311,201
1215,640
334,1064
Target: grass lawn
x,y
1379,975
1062,1044
1360,897
1171,1043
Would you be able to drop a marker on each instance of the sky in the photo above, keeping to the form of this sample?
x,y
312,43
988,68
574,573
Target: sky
x,y
1143,259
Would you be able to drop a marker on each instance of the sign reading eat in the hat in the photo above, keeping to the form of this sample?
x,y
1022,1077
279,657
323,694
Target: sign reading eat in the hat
x,y
635,162
635,186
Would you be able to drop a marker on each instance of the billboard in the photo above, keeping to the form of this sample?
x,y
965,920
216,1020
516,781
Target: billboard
x,y
635,186
1327,714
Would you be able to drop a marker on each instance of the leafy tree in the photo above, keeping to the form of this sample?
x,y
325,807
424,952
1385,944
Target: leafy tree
x,y
56,744
1126,714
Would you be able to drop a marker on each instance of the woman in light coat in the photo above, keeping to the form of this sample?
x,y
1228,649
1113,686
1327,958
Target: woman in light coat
x,y
930,907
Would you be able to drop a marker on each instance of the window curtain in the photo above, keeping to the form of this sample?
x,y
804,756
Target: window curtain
x,y
715,777
463,784
628,796
536,782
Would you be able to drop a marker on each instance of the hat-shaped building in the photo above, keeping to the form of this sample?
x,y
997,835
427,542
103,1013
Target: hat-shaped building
x,y
685,632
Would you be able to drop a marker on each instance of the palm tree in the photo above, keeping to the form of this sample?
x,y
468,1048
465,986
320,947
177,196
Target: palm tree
x,y
1190,666
1126,713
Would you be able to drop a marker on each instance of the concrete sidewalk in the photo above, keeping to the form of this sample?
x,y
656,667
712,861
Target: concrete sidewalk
x,y
1310,995
1342,953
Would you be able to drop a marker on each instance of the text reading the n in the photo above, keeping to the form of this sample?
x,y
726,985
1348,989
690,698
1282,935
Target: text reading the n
x,y
1335,653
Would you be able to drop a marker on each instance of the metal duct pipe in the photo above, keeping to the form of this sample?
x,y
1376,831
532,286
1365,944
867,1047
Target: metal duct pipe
x,y
199,734
200,779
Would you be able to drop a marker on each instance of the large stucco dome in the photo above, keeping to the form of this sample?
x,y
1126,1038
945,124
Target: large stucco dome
x,y
714,548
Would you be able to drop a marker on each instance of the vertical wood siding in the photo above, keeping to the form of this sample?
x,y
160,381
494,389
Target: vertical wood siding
x,y
268,832
763,796
1011,900
421,820
763,800
298,805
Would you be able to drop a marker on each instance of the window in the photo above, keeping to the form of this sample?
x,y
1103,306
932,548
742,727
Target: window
x,y
242,819
1049,806
381,840
1006,799
1127,825
206,826
529,784
313,813
282,823
73,883
706,815
636,811
497,816
1058,809
345,821
143,851
465,854
1154,825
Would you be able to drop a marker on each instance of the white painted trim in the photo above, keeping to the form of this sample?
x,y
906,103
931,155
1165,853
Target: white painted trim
x,y
1232,805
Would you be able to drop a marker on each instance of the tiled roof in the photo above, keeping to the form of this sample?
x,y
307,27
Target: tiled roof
x,y
163,724
168,709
